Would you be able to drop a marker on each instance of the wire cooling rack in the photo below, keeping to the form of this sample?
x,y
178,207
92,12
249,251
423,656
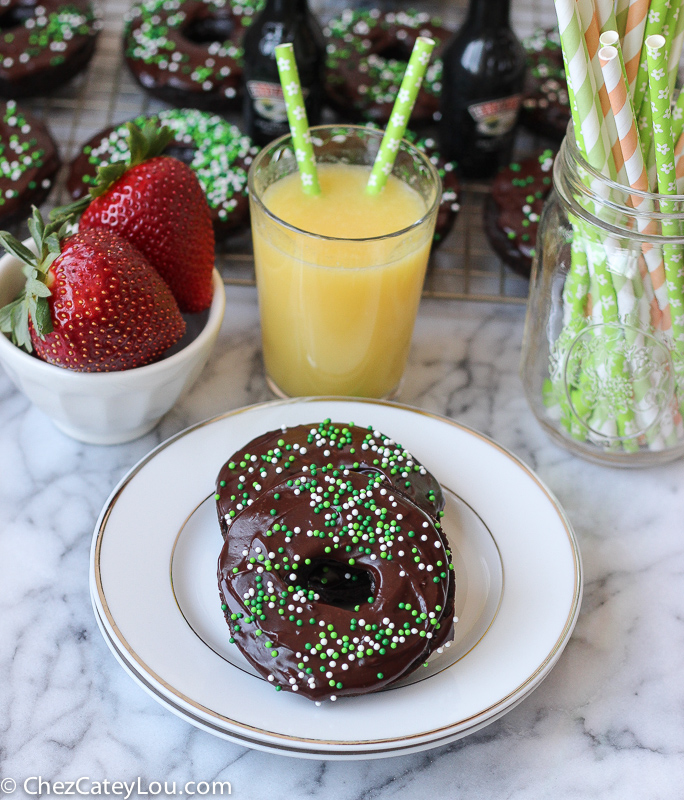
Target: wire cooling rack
x,y
463,266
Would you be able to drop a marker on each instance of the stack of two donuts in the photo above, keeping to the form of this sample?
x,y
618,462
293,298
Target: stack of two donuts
x,y
335,577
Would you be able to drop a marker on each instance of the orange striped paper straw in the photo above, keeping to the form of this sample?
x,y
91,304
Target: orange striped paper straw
x,y
591,29
621,9
635,170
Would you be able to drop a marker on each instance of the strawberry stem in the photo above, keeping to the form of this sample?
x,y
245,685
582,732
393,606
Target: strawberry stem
x,y
143,144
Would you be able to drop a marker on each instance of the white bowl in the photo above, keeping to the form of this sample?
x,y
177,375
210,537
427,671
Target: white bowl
x,y
109,407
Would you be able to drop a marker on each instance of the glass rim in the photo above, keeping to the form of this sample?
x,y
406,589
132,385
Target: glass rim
x,y
611,183
378,133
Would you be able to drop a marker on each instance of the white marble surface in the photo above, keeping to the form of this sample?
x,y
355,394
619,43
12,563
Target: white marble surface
x,y
608,722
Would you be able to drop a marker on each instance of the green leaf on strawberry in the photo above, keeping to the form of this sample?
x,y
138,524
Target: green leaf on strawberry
x,y
144,143
31,305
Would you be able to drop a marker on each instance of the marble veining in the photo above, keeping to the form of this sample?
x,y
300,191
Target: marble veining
x,y
608,721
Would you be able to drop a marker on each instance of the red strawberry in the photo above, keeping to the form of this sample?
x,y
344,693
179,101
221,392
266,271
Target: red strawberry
x,y
92,302
158,204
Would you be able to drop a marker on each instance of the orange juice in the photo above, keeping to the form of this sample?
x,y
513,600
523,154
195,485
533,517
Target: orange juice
x,y
339,289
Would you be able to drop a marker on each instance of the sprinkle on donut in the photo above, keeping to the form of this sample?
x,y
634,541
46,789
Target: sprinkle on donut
x,y
372,630
189,52
218,152
367,53
43,48
28,162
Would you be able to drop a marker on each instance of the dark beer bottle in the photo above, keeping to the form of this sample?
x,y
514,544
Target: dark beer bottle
x,y
484,73
264,108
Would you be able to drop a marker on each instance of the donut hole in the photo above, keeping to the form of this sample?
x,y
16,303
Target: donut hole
x,y
180,152
16,16
338,584
205,30
395,51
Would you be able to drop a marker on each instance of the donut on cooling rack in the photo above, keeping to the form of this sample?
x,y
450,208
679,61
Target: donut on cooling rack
x,y
188,52
218,152
512,211
28,163
280,454
390,606
44,44
545,106
367,54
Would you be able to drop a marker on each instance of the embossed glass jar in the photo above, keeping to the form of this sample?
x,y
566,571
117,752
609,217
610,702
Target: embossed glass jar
x,y
603,350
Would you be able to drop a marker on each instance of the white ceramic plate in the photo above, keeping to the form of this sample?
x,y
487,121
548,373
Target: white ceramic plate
x,y
153,585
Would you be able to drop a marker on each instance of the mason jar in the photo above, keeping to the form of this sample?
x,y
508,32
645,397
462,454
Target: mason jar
x,y
603,349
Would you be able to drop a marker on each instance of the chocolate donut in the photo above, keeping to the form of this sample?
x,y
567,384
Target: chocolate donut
x,y
28,163
44,44
218,152
269,459
545,106
367,54
392,603
189,52
512,210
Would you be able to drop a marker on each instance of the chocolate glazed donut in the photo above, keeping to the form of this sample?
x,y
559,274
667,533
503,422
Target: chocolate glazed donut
x,y
546,105
513,210
271,458
44,44
28,163
218,153
367,54
391,604
189,52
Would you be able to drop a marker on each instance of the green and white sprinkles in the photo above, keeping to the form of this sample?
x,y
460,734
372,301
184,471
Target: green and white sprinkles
x,y
28,162
220,151
296,116
513,213
289,451
18,155
48,32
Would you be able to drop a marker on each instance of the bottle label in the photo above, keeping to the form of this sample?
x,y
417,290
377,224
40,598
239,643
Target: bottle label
x,y
496,117
268,100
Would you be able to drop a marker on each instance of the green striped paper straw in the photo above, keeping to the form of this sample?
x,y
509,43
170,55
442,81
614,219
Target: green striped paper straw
x,y
403,105
621,11
296,116
606,15
658,84
581,81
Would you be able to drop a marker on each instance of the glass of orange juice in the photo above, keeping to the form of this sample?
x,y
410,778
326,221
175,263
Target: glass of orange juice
x,y
340,274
